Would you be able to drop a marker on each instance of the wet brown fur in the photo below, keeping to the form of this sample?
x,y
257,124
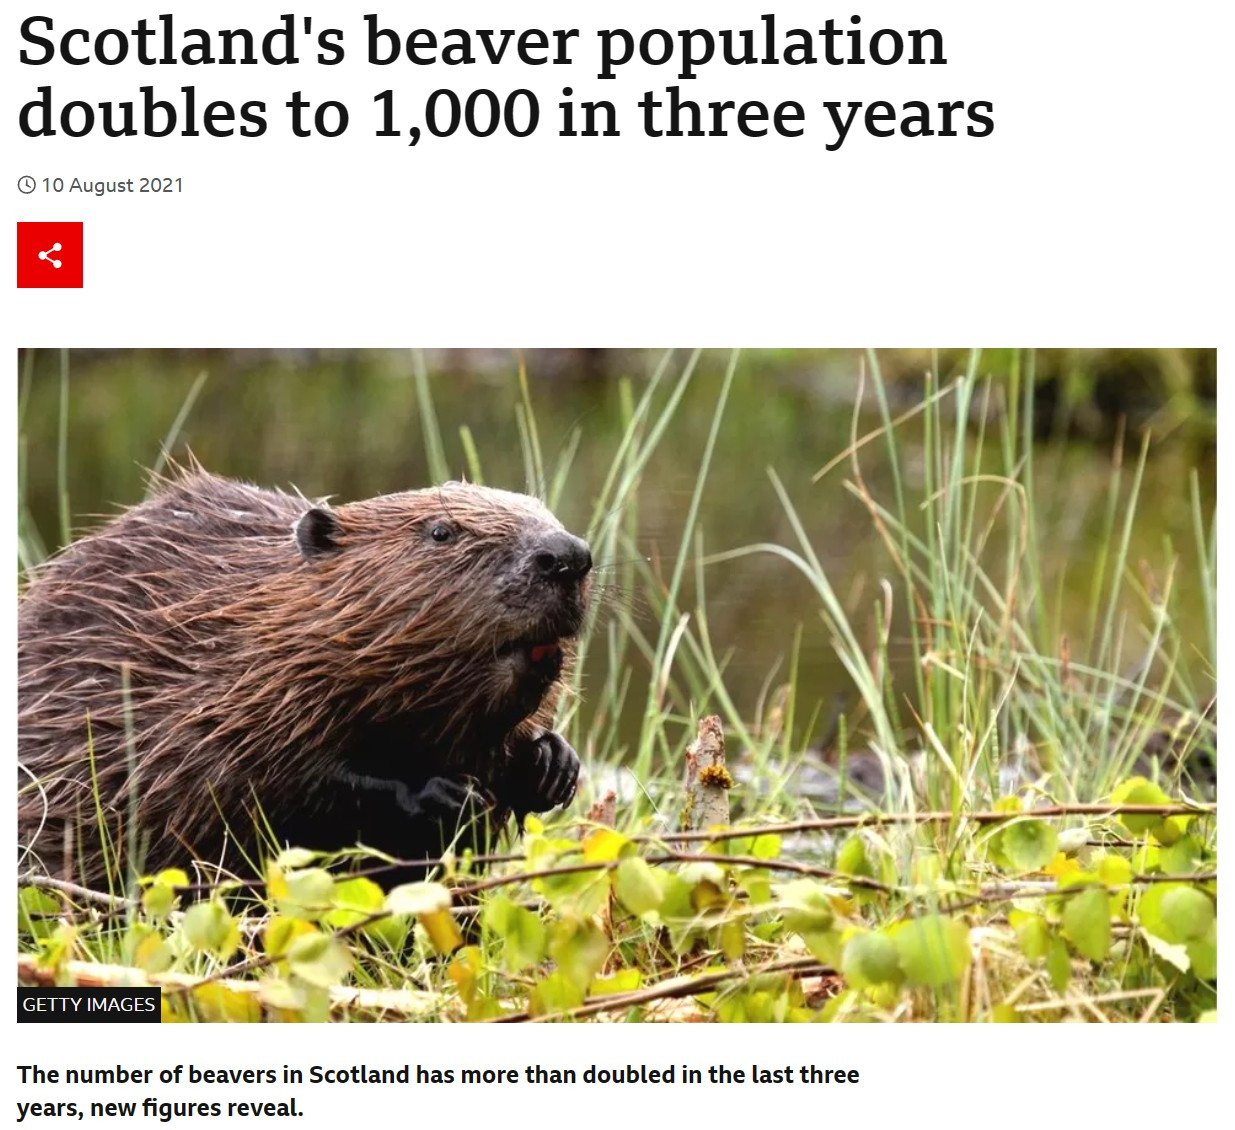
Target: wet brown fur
x,y
250,666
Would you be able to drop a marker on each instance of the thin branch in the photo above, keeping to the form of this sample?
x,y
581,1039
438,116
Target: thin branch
x,y
674,988
674,857
1005,892
876,819
99,898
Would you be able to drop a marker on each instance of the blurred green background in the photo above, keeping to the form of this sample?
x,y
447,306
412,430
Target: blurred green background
x,y
347,424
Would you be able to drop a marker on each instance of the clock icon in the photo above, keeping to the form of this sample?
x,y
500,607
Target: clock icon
x,y
26,185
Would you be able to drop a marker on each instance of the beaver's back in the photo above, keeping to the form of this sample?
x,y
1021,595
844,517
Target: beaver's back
x,y
197,531
112,625
124,602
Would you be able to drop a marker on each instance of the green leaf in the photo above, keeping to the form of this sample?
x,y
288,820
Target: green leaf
x,y
579,948
675,902
581,893
603,845
354,900
172,877
706,872
706,895
1029,844
756,882
1186,854
37,912
1058,964
934,949
290,859
623,981
555,993
636,887
159,900
1087,923
145,948
1032,932
766,846
824,945
1181,914
390,932
806,906
1203,954
733,938
872,959
280,993
852,858
1139,790
218,1003
1187,914
1170,829
208,926
521,931
280,932
319,959
1114,870
308,893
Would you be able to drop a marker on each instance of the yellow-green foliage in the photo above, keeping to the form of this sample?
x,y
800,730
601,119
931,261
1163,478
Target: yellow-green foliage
x,y
590,920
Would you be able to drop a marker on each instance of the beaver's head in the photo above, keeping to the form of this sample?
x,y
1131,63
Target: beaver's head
x,y
458,598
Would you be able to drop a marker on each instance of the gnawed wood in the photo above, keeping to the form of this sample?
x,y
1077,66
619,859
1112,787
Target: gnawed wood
x,y
708,781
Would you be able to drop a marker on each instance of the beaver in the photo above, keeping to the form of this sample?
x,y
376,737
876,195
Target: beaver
x,y
225,669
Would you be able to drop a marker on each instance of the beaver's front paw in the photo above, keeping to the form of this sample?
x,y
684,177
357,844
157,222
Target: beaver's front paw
x,y
451,802
542,773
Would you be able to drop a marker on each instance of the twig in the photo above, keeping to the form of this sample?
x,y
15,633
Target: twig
x,y
674,988
1005,892
99,898
673,857
875,819
717,835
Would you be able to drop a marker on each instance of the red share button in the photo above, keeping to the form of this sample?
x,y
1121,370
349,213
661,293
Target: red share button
x,y
49,255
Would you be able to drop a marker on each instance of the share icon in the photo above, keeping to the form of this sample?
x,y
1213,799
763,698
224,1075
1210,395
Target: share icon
x,y
50,255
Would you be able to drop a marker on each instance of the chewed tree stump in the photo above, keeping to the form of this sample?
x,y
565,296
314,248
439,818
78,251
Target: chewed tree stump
x,y
707,780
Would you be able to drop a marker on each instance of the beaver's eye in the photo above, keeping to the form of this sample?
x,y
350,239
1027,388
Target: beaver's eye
x,y
442,533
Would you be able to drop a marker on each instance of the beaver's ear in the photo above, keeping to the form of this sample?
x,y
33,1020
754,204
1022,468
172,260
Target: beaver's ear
x,y
316,532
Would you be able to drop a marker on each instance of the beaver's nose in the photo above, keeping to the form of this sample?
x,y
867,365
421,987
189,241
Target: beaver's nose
x,y
561,556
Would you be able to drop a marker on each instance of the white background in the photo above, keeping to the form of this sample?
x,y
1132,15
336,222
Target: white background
x,y
1096,214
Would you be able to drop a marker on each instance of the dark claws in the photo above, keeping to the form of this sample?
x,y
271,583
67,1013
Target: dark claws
x,y
542,774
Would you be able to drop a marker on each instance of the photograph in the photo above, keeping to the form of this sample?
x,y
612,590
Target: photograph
x,y
620,685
